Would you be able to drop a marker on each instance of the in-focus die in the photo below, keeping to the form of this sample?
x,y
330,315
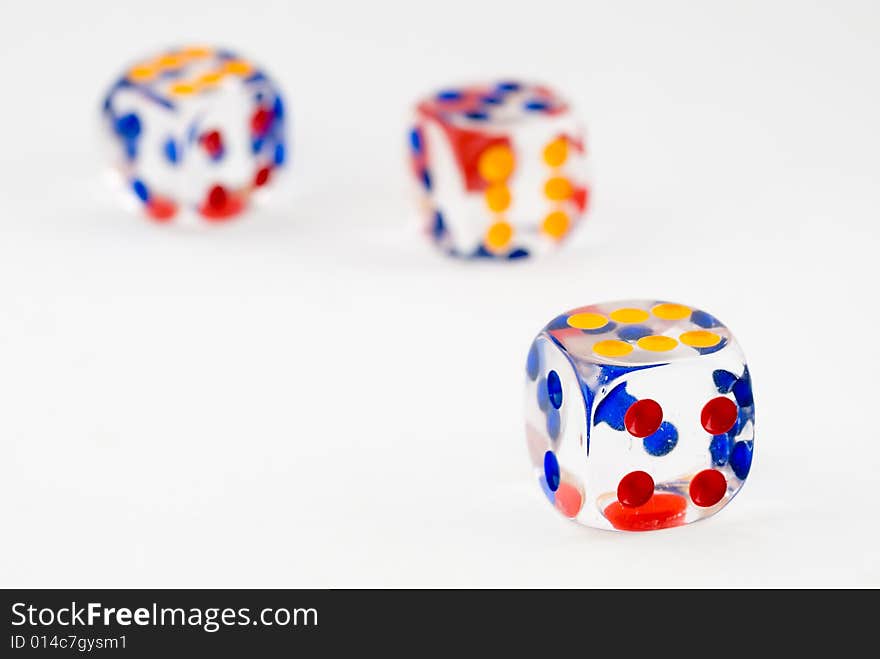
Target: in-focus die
x,y
194,132
639,414
501,168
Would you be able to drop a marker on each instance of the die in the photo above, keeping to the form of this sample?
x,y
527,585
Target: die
x,y
501,169
639,414
194,132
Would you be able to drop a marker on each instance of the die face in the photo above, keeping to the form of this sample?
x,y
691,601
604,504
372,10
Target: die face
x,y
196,130
650,441
638,333
501,169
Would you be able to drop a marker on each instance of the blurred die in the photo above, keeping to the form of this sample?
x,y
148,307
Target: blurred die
x,y
501,168
194,132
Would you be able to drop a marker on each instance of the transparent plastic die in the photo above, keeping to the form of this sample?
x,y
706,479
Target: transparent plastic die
x,y
193,134
639,414
500,168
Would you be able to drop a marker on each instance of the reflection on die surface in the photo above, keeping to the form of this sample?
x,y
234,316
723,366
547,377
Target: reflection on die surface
x,y
194,132
639,414
501,168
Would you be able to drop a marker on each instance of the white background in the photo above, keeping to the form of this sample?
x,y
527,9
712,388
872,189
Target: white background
x,y
312,397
